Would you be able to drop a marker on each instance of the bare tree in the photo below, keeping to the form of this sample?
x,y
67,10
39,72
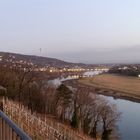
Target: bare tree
x,y
84,104
50,94
95,116
109,116
24,77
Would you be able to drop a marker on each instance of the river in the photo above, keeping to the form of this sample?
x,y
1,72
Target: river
x,y
129,125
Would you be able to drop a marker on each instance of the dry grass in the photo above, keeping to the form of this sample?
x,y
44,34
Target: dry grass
x,y
123,84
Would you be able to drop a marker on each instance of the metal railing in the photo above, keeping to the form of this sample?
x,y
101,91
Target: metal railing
x,y
9,130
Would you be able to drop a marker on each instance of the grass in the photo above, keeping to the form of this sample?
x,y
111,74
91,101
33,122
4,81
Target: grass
x,y
122,84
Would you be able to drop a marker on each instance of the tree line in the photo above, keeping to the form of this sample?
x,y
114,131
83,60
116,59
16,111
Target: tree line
x,y
78,108
129,70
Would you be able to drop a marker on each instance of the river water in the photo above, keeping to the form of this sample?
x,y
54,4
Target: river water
x,y
129,125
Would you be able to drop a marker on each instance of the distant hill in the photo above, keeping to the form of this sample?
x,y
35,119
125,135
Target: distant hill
x,y
12,58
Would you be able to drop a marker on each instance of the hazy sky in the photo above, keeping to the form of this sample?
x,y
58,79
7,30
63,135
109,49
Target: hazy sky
x,y
93,31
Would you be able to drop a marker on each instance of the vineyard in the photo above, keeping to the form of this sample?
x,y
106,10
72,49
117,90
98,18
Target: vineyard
x,y
40,127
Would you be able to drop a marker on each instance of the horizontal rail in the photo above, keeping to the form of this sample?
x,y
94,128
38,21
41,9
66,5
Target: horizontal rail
x,y
9,130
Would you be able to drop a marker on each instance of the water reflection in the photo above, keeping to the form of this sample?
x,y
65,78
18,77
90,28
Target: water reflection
x,y
129,126
58,81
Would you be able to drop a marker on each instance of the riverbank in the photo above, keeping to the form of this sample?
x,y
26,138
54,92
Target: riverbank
x,y
123,87
119,87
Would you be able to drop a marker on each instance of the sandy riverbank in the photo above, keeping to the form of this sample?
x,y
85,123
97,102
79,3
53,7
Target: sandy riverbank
x,y
113,85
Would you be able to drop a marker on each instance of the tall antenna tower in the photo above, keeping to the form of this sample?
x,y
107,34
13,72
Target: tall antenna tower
x,y
40,51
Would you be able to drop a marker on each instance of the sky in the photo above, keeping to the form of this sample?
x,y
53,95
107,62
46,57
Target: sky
x,y
89,31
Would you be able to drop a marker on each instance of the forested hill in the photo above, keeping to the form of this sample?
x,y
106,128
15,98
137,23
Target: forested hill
x,y
8,58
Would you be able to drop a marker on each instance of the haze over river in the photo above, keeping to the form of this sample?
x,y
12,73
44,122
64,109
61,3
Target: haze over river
x,y
129,125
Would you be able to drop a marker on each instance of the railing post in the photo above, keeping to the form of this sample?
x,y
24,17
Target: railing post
x,y
6,131
9,131
3,129
0,128
14,136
